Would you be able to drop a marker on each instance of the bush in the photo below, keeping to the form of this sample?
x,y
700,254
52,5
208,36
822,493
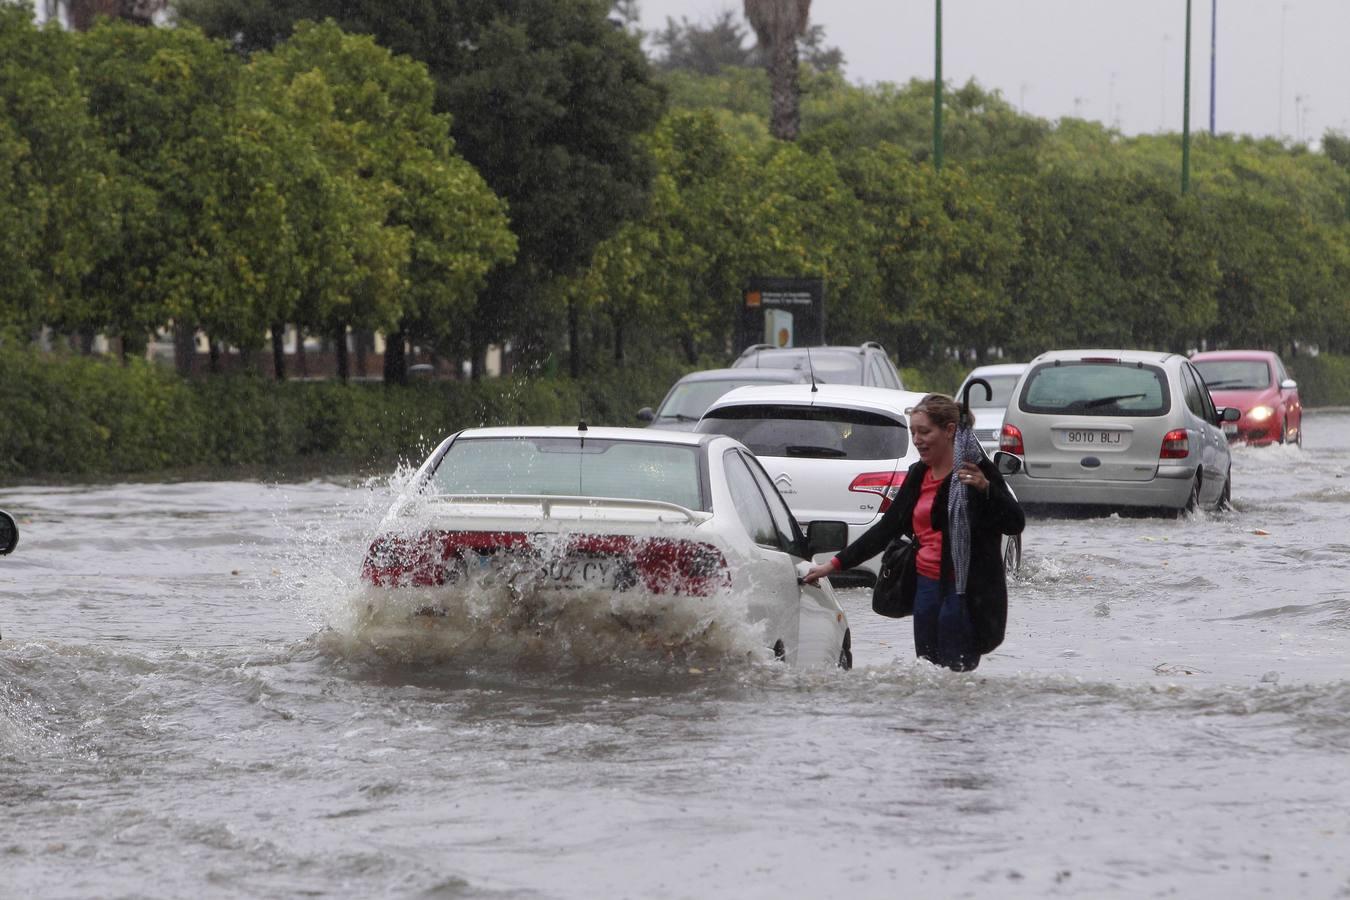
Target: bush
x,y
70,415
1322,380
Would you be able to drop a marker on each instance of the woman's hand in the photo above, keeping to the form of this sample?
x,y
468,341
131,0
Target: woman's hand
x,y
971,476
816,573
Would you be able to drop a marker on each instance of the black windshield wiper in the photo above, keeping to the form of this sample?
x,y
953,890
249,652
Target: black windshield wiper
x,y
809,450
1102,401
678,417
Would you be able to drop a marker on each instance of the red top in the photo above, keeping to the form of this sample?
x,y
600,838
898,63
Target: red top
x,y
928,561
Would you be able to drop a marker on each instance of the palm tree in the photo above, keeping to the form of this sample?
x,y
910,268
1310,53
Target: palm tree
x,y
778,24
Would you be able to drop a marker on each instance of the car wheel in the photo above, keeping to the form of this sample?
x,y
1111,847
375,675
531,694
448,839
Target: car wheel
x,y
1192,501
846,651
1012,556
780,651
1284,430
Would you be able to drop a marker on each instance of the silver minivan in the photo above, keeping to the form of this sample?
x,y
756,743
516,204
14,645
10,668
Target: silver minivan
x,y
1116,428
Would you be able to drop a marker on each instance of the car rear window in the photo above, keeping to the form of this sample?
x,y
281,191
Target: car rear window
x,y
810,431
1090,388
1234,374
836,368
639,470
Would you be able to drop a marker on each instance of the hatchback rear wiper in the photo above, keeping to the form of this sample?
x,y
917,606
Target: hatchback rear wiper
x,y
678,417
809,450
1102,401
1227,382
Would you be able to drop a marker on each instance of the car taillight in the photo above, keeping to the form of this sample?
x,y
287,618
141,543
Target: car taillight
x,y
660,565
1010,440
1175,445
884,484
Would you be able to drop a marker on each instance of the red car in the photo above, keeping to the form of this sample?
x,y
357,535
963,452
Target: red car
x,y
1255,381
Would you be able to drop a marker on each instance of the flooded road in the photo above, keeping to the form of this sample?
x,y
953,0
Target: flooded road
x,y
184,712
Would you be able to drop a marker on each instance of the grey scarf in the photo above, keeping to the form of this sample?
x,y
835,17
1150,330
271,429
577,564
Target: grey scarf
x,y
958,513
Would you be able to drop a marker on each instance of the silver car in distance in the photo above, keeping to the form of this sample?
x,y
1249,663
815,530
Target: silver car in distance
x,y
1116,428
643,515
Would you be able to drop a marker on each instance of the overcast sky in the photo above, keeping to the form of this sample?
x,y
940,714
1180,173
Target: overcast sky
x,y
1116,61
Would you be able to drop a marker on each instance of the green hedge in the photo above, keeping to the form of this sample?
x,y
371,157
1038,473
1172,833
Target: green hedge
x,y
1322,380
91,416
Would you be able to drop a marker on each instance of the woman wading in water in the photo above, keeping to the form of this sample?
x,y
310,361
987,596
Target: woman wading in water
x,y
938,497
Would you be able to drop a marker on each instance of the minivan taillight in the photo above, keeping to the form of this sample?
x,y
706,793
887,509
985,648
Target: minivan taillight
x,y
1010,440
1175,445
884,484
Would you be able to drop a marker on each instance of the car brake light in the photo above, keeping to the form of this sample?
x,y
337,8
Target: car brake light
x,y
884,484
1010,440
1175,445
663,565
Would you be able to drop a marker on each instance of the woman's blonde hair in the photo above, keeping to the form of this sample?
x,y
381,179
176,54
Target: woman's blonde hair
x,y
940,409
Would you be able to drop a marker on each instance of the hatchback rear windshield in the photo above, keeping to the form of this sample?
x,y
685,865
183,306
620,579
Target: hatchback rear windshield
x,y
811,432
637,470
1096,389
1234,374
836,368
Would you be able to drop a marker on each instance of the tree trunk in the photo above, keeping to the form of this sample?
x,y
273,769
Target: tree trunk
x,y
340,354
184,348
302,364
395,358
86,342
214,350
784,77
360,338
133,345
279,351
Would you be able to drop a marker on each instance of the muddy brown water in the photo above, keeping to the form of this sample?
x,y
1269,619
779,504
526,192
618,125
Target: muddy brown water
x,y
188,708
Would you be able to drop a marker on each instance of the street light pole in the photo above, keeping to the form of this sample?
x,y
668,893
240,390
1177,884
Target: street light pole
x,y
1214,55
937,92
1186,112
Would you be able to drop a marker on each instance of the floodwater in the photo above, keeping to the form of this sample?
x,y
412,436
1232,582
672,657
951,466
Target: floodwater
x,y
188,708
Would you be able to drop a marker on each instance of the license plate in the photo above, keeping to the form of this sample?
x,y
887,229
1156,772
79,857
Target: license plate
x,y
1088,437
1230,428
580,572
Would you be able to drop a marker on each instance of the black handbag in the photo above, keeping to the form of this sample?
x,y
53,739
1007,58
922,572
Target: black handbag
x,y
886,594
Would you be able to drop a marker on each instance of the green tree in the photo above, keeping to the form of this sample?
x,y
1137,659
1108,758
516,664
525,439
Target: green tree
x,y
383,147
548,100
58,211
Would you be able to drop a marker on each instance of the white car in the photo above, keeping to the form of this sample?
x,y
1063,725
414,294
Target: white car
x,y
1002,378
641,522
839,452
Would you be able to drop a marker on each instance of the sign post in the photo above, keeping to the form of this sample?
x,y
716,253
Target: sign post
x,y
782,312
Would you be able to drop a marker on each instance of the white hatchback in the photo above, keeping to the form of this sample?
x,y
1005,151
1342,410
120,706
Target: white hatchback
x,y
640,518
988,411
836,452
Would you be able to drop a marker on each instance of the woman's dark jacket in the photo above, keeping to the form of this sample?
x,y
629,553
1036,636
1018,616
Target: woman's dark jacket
x,y
991,515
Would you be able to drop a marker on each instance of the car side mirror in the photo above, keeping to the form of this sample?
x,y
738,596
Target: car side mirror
x,y
825,536
9,533
646,414
1288,384
1008,464
1229,414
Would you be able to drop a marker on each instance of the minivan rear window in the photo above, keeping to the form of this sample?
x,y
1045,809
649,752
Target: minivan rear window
x,y
1083,388
810,431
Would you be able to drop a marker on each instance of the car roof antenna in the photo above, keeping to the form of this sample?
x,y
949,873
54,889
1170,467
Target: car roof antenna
x,y
811,368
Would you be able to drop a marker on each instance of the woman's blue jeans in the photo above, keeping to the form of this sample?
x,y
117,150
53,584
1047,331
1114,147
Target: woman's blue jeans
x,y
943,633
